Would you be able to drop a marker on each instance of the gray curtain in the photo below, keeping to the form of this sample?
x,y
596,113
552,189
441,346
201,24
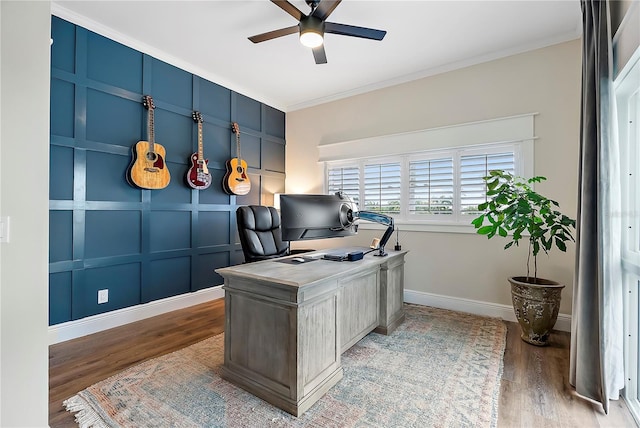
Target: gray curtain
x,y
597,365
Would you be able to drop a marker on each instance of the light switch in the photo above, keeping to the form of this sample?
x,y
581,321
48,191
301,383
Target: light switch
x,y
4,229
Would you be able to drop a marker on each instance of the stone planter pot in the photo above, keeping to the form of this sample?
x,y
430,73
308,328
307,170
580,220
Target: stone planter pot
x,y
536,307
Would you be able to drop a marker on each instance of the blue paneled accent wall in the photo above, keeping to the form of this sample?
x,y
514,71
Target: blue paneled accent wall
x,y
143,245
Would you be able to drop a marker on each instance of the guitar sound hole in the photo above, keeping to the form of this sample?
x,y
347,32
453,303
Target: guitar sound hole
x,y
151,156
239,169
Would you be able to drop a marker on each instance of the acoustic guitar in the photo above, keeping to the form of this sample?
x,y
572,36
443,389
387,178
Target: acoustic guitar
x,y
236,181
148,169
198,176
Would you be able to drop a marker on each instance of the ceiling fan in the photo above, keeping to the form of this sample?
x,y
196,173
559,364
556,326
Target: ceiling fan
x,y
313,26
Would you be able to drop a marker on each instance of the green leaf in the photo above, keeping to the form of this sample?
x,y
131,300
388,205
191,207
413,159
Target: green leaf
x,y
508,245
484,230
502,231
536,179
502,199
560,244
483,206
535,197
493,184
567,221
478,221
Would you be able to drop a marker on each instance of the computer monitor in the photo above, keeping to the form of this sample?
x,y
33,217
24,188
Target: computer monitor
x,y
316,216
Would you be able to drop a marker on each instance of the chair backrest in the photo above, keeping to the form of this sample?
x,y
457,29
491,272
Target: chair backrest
x,y
259,230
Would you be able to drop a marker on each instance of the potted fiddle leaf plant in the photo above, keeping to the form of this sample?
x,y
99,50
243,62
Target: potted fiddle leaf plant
x,y
515,211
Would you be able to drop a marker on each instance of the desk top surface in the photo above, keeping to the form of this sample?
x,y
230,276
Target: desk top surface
x,y
308,272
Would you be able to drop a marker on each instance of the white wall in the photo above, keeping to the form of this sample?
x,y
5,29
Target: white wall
x,y
464,266
24,196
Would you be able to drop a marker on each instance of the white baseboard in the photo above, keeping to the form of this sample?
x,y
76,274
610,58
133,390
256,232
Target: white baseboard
x,y
476,307
93,324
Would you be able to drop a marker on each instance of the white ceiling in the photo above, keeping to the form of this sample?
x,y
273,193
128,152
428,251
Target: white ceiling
x,y
209,38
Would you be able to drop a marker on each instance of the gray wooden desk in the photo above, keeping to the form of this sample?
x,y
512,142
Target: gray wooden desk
x,y
286,325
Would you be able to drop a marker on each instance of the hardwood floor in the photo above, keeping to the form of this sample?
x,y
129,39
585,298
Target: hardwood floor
x,y
534,389
79,363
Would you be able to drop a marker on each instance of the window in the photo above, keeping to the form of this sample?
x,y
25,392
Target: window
x,y
429,179
382,187
443,186
631,187
473,168
628,103
431,187
344,179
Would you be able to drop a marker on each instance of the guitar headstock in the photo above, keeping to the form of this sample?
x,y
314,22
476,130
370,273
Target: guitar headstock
x,y
147,101
197,116
235,127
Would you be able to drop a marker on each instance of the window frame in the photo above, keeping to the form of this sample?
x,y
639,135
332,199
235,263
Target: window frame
x,y
627,92
516,130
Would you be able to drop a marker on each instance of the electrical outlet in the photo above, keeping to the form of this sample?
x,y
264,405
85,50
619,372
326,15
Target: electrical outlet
x,y
103,296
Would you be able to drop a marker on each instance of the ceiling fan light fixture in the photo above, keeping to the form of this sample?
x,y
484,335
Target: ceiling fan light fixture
x,y
311,32
311,39
311,28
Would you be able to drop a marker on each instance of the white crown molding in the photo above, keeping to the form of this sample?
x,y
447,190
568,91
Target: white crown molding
x,y
93,324
539,44
476,307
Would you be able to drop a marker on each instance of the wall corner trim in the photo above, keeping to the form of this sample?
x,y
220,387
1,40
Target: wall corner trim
x,y
476,307
93,324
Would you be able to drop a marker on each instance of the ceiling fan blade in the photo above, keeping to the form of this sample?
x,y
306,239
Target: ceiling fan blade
x,y
319,55
289,8
352,30
274,34
324,9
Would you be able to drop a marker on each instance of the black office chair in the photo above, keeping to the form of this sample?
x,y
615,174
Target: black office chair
x,y
259,230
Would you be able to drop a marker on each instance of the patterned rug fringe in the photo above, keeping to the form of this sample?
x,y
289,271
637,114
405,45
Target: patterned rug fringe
x,y
86,416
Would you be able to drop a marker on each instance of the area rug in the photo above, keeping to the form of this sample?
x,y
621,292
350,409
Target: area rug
x,y
438,369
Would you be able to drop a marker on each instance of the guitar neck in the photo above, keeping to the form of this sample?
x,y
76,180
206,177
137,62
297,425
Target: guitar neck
x,y
200,151
150,130
238,144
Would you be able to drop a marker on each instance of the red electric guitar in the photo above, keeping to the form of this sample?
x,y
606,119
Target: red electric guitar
x,y
198,176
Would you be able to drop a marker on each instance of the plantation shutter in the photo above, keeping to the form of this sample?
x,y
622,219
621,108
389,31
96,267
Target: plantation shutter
x,y
431,187
346,180
382,187
473,168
